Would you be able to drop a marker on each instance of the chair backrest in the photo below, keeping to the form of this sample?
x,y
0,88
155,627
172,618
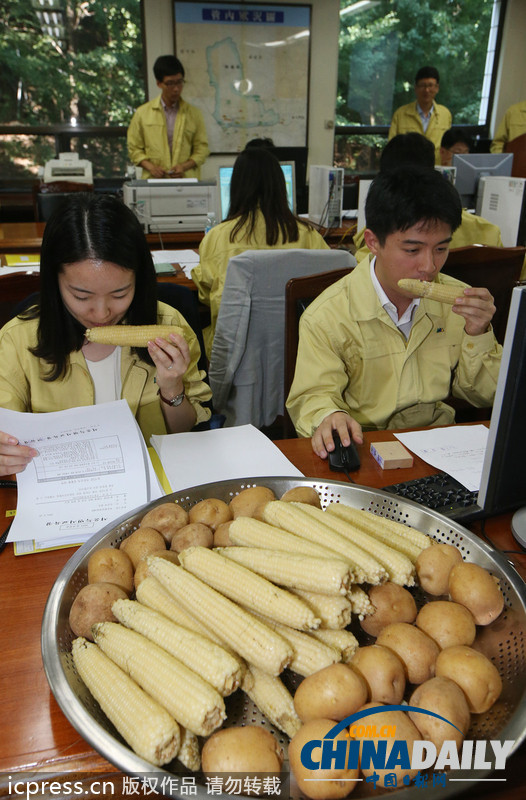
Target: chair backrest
x,y
299,293
14,288
518,148
496,268
246,364
48,196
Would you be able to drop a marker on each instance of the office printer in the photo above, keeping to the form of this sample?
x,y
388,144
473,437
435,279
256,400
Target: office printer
x,y
169,205
68,167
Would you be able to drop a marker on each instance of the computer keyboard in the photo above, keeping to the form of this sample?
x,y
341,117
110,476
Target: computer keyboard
x,y
441,493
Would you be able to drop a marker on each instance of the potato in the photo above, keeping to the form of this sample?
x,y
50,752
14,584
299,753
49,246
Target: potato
x,y
433,566
474,673
392,603
248,501
142,567
109,565
331,693
222,536
166,518
247,749
383,671
403,729
447,623
331,783
195,533
211,512
442,696
142,543
93,604
474,587
302,494
415,649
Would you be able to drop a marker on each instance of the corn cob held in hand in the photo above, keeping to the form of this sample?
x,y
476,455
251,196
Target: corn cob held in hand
x,y
435,291
131,335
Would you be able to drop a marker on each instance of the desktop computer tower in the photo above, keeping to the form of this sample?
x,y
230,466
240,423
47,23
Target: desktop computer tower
x,y
502,200
326,196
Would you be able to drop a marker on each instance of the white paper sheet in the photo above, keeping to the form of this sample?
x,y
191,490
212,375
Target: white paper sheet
x,y
457,450
187,259
92,467
191,459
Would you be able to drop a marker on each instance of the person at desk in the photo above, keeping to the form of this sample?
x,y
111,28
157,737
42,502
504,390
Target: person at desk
x,y
259,218
370,355
167,136
96,269
512,125
424,115
454,142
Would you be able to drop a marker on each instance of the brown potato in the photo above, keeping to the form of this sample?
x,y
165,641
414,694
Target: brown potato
x,y
302,494
447,623
166,518
392,603
93,604
474,587
246,749
141,543
248,500
195,533
401,726
331,693
383,671
415,649
474,673
332,783
142,567
433,566
442,696
109,565
222,536
211,512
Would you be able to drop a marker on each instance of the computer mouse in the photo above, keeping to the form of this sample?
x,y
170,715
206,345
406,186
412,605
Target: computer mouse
x,y
343,459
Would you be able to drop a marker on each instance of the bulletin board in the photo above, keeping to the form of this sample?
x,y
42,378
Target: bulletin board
x,y
247,69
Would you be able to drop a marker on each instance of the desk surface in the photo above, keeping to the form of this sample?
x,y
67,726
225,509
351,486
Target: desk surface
x,y
36,735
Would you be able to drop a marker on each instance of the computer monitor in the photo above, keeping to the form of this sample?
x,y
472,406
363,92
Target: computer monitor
x,y
472,166
225,177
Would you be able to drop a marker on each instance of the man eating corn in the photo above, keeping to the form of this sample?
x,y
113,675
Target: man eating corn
x,y
371,355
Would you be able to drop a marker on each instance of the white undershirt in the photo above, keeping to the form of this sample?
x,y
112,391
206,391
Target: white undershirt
x,y
403,323
106,376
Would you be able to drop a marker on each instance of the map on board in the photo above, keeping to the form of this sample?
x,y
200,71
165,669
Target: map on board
x,y
246,69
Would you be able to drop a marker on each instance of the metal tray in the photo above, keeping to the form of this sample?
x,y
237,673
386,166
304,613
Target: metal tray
x,y
504,642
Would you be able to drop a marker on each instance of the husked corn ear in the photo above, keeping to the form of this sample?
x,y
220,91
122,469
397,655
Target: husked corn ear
x,y
144,724
402,538
318,528
333,610
360,602
189,753
249,637
398,566
344,641
297,571
214,664
250,590
310,654
186,696
435,291
273,699
130,335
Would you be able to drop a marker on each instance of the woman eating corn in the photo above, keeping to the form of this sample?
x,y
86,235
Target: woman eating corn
x,y
96,270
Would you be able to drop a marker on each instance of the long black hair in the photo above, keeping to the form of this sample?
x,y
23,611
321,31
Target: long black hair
x,y
89,226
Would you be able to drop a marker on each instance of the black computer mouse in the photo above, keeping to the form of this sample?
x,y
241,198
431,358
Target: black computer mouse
x,y
343,459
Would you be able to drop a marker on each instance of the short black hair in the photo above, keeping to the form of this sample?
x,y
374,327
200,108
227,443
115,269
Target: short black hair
x,y
264,142
399,199
408,148
167,65
454,136
427,72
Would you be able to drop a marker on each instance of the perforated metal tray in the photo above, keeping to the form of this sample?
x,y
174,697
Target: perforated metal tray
x,y
504,642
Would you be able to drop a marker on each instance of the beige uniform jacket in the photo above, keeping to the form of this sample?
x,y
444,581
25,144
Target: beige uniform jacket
x,y
512,125
22,387
353,358
407,120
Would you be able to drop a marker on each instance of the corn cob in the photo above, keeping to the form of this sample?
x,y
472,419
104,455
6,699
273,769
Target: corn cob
x,y
442,292
144,724
189,753
131,335
344,641
398,567
295,518
297,571
333,610
404,539
274,700
310,654
186,696
240,630
250,532
360,602
250,590
214,664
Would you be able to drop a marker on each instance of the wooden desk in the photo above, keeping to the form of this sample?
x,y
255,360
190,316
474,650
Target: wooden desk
x,y
36,735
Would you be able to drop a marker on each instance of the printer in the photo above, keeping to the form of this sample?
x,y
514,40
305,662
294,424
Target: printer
x,y
169,205
68,167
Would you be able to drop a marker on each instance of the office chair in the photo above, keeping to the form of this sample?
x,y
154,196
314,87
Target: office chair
x,y
246,364
299,293
14,289
517,146
47,197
